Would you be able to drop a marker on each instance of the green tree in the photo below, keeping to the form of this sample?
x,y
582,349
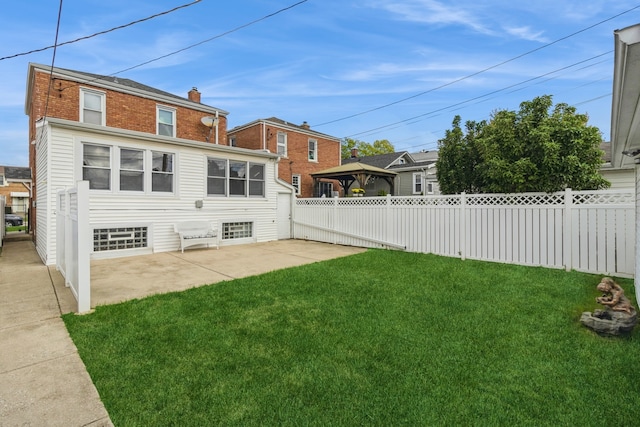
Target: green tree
x,y
380,146
458,167
538,148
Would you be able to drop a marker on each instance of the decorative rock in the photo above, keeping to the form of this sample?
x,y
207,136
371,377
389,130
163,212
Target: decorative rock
x,y
608,322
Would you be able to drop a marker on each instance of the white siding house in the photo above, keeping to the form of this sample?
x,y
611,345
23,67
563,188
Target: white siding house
x,y
141,184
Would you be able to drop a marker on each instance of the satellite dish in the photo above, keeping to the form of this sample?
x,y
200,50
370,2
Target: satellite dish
x,y
209,121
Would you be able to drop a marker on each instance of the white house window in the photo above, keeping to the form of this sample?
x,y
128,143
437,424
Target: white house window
x,y
256,179
429,187
131,170
313,150
417,183
96,166
216,177
282,144
166,121
237,178
161,172
230,177
92,107
232,141
295,181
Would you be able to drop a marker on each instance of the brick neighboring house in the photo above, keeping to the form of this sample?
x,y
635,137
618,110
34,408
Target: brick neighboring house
x,y
15,186
152,159
303,151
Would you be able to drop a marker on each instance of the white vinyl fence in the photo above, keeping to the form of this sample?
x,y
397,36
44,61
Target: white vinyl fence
x,y
73,242
591,231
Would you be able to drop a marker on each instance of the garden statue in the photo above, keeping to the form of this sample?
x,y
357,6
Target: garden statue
x,y
619,316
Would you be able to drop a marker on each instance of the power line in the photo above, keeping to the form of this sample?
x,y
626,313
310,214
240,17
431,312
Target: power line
x,y
199,43
101,32
477,72
53,60
457,104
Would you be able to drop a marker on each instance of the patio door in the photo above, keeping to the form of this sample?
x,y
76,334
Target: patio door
x,y
284,216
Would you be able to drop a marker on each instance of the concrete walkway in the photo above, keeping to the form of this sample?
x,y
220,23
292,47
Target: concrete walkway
x,y
43,381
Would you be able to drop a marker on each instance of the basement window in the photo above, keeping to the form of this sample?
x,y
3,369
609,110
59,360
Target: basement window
x,y
113,239
237,230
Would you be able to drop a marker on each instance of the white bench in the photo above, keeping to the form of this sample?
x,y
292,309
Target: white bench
x,y
196,233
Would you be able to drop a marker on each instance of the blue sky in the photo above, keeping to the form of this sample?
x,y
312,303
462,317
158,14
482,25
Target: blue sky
x,y
366,69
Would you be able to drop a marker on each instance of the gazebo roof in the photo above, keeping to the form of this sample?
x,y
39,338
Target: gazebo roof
x,y
351,169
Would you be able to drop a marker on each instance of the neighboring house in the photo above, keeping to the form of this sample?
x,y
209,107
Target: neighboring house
x,y
151,160
303,151
416,172
619,177
15,186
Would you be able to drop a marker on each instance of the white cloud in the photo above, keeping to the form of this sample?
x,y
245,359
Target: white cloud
x,y
434,12
527,33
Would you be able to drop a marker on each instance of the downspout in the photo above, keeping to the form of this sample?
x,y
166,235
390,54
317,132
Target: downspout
x,y
264,136
217,122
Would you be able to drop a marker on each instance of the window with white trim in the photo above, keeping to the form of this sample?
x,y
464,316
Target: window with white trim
x,y
295,181
417,183
216,177
96,166
166,121
282,144
161,172
131,170
92,106
235,178
429,187
313,150
256,179
127,169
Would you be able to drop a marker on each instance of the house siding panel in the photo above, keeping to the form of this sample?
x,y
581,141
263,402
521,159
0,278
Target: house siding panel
x,y
158,212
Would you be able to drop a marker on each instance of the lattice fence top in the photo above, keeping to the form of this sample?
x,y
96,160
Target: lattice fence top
x,y
598,198
602,197
523,199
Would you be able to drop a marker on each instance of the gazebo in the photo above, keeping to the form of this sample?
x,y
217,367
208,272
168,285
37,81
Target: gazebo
x,y
347,174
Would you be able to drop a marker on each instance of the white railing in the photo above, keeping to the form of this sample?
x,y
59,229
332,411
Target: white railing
x,y
73,242
591,231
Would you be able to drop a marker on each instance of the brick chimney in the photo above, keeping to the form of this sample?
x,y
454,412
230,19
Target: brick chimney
x,y
305,125
354,153
194,95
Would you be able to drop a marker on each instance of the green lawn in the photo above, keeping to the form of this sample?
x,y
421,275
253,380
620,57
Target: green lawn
x,y
380,338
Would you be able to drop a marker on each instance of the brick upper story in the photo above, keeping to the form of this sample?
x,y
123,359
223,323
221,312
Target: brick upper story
x,y
128,105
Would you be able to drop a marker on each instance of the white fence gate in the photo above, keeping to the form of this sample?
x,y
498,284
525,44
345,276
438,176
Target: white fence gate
x,y
591,231
73,242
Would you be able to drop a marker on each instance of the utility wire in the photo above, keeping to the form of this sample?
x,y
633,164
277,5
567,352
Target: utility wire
x,y
101,32
477,72
457,104
215,37
53,60
198,43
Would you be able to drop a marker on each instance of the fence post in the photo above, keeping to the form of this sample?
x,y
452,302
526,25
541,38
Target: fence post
x,y
567,254
84,248
389,229
334,220
463,225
